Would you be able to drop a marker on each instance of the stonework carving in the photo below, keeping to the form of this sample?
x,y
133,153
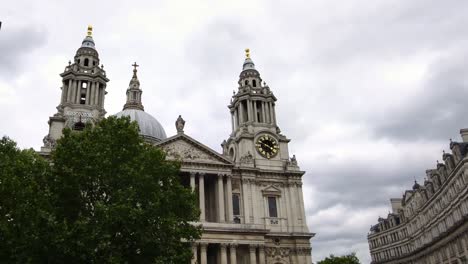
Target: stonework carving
x,y
185,151
49,142
277,255
247,158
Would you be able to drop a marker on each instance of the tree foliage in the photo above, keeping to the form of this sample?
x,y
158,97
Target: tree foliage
x,y
346,259
108,197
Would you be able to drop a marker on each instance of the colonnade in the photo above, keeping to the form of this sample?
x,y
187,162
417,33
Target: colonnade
x,y
224,196
72,92
266,112
255,256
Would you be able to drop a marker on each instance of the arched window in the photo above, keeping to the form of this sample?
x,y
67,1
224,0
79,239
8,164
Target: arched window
x,y
79,126
86,62
254,83
246,82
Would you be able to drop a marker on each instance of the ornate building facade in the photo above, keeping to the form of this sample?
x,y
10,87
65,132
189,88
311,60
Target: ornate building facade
x,y
250,194
429,224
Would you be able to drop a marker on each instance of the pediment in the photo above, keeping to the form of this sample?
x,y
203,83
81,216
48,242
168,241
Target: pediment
x,y
271,190
186,149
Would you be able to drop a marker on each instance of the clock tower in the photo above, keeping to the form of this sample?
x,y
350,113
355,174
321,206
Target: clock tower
x,y
256,140
83,91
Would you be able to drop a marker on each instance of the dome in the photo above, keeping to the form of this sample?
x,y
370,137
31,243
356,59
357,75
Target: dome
x,y
150,128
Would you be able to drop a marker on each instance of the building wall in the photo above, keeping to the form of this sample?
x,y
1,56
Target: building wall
x,y
430,224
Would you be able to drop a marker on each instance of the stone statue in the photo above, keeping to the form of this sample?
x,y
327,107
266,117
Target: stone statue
x,y
293,160
49,142
180,123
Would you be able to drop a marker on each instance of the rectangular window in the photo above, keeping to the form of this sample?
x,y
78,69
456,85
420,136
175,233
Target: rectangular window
x,y
272,209
236,204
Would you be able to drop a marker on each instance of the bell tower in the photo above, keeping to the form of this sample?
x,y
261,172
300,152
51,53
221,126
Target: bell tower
x,y
83,91
255,140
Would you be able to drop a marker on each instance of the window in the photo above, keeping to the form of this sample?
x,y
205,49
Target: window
x,y
254,83
235,204
272,209
246,82
86,62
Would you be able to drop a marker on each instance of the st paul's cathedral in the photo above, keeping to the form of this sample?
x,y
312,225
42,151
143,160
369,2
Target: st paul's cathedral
x,y
250,194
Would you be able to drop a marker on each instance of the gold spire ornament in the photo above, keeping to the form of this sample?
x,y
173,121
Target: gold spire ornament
x,y
90,30
247,53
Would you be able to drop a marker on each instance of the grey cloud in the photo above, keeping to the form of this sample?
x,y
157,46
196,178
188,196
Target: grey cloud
x,y
438,111
16,43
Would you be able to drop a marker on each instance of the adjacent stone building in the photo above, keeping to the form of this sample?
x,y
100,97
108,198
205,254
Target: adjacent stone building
x,y
429,224
250,194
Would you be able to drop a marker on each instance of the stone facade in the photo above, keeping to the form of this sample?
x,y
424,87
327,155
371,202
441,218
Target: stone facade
x,y
428,225
250,195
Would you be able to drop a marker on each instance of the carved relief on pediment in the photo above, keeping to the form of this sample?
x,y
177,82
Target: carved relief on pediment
x,y
184,151
277,255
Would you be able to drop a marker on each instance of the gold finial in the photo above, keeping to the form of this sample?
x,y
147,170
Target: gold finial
x,y
90,30
247,53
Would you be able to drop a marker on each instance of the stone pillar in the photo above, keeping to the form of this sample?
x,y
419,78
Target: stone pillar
x,y
223,253
263,113
241,113
194,253
253,255
201,197
236,118
233,253
255,208
70,88
267,112
230,217
192,181
274,113
255,111
245,200
232,121
78,92
301,204
292,207
249,110
309,256
88,92
221,211
96,93
261,254
203,253
270,104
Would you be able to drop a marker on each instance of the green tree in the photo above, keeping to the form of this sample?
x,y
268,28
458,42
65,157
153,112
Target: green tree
x,y
110,198
345,259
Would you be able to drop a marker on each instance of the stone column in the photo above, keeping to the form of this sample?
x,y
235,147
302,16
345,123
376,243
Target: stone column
x,y
263,113
274,113
70,88
267,112
245,200
96,93
203,253
232,121
192,181
201,197
233,253
241,113
78,92
221,199
292,207
255,208
261,254
236,119
222,247
253,255
301,204
230,217
249,110
255,111
88,92
309,256
194,253
270,106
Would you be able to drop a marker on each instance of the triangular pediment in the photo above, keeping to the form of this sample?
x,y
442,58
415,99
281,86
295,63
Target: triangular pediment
x,y
271,190
184,148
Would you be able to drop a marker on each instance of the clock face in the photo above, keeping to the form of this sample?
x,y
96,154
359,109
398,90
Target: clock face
x,y
267,146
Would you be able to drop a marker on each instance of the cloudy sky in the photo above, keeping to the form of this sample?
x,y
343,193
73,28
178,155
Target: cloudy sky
x,y
369,91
